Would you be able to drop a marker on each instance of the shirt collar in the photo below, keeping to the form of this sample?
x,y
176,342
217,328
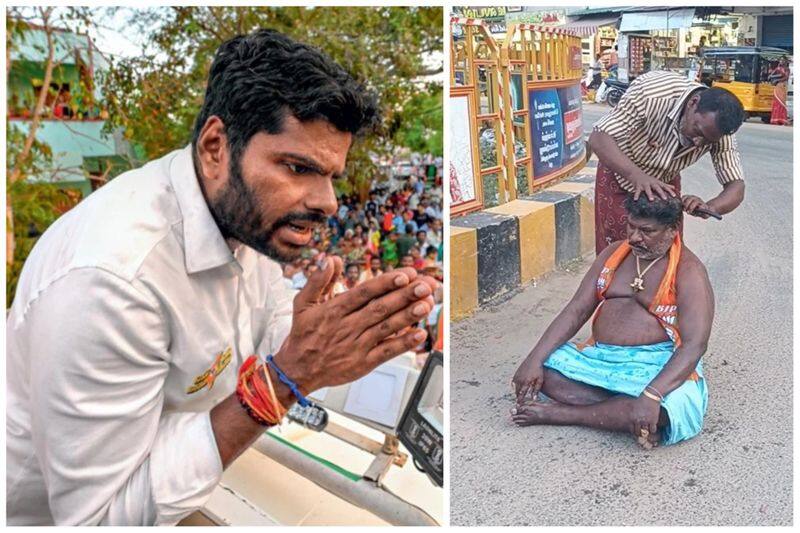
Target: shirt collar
x,y
204,246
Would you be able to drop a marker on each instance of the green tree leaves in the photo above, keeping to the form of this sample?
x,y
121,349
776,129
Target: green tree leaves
x,y
156,97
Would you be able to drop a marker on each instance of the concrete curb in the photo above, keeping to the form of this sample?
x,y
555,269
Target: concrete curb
x,y
499,249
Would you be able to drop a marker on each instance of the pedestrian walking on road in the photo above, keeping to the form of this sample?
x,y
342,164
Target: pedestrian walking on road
x,y
663,124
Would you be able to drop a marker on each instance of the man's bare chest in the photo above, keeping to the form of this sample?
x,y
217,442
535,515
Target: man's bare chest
x,y
627,276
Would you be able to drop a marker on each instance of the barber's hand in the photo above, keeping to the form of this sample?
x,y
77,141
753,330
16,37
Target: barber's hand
x,y
644,415
528,379
338,340
650,186
691,203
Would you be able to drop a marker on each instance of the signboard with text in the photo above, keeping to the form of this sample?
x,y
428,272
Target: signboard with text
x,y
551,17
463,171
556,128
493,17
483,12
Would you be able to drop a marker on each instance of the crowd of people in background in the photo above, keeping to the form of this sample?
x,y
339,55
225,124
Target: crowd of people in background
x,y
398,224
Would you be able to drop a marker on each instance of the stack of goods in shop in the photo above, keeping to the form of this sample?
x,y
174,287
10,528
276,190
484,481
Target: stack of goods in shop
x,y
639,50
607,38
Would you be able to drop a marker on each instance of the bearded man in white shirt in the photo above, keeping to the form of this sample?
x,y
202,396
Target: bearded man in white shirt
x,y
136,309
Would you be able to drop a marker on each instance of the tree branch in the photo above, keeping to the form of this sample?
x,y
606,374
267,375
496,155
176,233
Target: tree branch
x,y
431,72
203,26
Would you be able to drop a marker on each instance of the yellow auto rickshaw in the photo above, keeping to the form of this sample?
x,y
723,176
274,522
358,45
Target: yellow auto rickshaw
x,y
744,71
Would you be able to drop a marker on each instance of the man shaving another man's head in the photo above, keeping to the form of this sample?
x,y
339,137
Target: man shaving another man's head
x,y
663,124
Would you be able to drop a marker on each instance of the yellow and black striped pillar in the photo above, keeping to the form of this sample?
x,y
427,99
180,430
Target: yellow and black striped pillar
x,y
497,250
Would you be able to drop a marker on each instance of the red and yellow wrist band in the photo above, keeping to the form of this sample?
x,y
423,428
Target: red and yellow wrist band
x,y
257,395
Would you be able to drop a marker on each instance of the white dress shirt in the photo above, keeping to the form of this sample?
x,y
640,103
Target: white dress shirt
x,y
124,303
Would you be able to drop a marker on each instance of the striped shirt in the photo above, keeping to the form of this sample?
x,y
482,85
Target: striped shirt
x,y
646,127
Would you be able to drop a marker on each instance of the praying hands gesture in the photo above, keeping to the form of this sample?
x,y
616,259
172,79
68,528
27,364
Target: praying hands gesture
x,y
336,340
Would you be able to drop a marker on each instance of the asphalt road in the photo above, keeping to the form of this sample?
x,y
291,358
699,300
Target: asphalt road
x,y
738,471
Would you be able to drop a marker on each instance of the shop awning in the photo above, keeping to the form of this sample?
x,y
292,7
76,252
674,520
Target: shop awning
x,y
588,26
657,20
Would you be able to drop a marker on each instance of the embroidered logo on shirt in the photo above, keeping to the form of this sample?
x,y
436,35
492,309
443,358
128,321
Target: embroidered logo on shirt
x,y
207,378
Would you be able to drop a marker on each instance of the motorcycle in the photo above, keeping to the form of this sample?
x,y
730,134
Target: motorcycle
x,y
614,91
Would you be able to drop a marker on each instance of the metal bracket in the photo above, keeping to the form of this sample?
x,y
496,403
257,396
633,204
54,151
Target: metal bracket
x,y
390,445
378,468
388,455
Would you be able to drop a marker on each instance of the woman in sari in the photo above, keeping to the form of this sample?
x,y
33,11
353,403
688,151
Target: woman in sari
x,y
778,76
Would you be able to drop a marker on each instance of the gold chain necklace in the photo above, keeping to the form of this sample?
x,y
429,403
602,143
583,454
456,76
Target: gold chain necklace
x,y
638,281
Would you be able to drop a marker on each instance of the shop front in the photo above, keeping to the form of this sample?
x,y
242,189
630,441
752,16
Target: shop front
x,y
650,40
673,40
598,36
776,31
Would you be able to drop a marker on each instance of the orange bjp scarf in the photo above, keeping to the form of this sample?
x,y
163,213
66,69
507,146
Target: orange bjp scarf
x,y
665,304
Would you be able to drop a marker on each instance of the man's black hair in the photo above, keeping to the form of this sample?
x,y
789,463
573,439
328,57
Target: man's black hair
x,y
728,108
666,212
350,265
409,228
259,79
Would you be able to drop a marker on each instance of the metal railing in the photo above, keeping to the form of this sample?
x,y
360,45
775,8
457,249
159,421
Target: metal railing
x,y
509,152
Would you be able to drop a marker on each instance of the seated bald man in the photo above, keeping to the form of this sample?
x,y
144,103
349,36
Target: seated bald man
x,y
640,372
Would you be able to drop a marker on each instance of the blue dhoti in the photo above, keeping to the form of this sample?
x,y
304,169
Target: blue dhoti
x,y
628,370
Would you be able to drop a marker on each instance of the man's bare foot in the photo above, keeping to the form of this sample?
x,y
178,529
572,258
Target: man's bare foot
x,y
613,414
534,413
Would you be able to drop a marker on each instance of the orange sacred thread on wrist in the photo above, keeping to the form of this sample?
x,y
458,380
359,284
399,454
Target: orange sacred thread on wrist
x,y
257,394
280,409
246,397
